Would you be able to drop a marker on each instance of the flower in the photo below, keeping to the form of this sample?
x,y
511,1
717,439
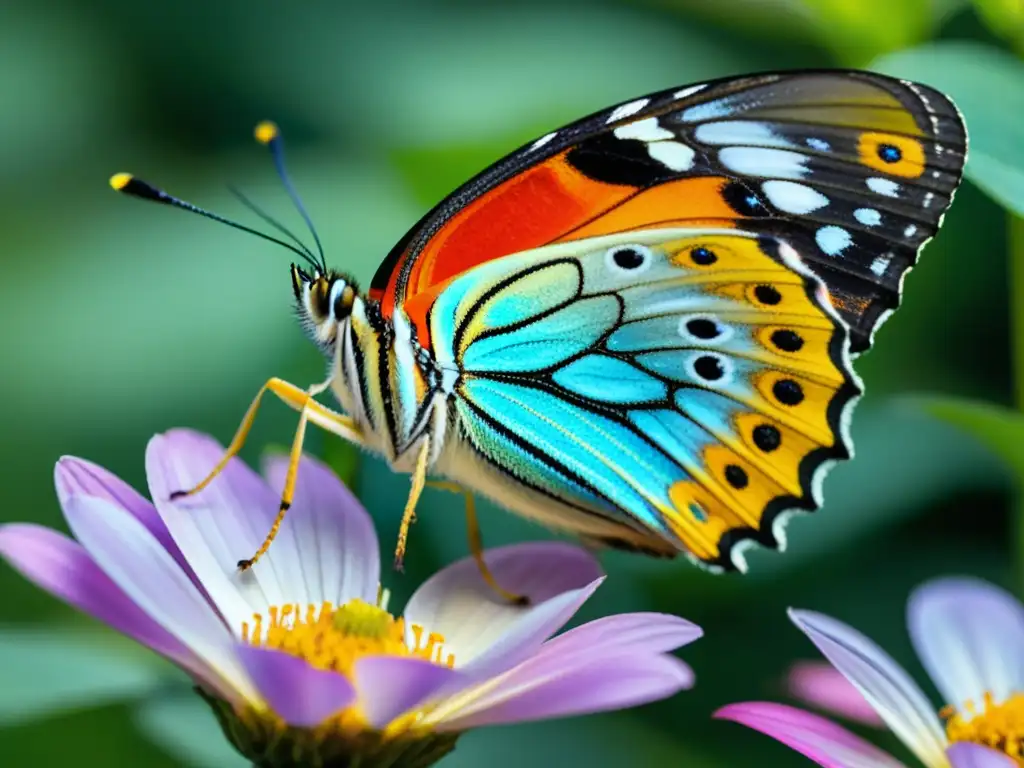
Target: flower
x,y
970,637
823,686
299,657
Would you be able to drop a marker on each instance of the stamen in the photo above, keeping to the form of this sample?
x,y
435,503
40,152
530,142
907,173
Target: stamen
x,y
999,725
336,638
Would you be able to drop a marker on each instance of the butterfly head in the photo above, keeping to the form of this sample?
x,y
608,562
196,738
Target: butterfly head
x,y
324,301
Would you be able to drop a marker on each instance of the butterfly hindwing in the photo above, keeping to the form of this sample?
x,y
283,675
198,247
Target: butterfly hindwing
x,y
683,383
854,170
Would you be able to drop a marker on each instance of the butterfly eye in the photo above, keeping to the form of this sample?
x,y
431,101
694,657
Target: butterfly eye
x,y
629,258
343,296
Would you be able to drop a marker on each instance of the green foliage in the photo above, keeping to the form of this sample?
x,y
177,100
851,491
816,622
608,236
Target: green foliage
x,y
986,85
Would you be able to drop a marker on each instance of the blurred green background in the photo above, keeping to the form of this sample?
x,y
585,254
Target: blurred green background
x,y
122,319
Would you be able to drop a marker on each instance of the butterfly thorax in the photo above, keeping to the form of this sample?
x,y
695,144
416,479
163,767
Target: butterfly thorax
x,y
390,384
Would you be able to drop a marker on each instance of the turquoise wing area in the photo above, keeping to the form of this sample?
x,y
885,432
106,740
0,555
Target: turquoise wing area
x,y
686,384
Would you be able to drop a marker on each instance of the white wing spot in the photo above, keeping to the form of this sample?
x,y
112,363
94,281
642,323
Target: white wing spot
x,y
833,240
543,140
880,264
672,154
819,144
869,217
928,200
740,132
644,130
885,187
794,198
760,161
689,91
627,109
910,231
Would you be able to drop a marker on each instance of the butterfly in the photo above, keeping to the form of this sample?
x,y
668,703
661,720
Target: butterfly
x,y
638,328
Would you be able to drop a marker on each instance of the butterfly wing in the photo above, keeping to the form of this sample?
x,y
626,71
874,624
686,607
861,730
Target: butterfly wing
x,y
686,385
853,169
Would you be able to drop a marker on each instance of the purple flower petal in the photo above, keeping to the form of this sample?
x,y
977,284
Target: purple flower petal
x,y
629,632
300,694
62,567
457,604
822,741
389,686
970,637
964,755
78,476
885,685
822,685
616,683
340,553
222,524
129,555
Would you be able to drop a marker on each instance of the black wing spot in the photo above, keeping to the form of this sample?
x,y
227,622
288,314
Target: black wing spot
x,y
708,367
787,341
744,200
767,294
608,158
767,437
627,258
703,328
736,476
703,257
788,392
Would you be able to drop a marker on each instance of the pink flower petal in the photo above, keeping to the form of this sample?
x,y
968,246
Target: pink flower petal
x,y
970,637
886,686
822,685
300,694
333,532
824,742
389,686
965,755
630,632
615,683
222,524
62,567
129,555
456,602
78,476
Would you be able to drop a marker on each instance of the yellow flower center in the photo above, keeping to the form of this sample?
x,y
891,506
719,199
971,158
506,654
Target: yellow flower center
x,y
999,725
335,638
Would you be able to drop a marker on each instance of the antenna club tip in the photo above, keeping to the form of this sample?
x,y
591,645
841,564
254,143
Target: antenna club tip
x,y
120,180
266,132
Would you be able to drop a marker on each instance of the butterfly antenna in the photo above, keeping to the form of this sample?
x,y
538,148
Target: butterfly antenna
x,y
129,185
267,133
268,219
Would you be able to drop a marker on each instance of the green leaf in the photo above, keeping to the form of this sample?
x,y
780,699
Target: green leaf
x,y
998,428
853,31
185,727
1004,17
48,670
988,86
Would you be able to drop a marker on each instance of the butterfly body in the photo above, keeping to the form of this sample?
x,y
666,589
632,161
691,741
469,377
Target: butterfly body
x,y
639,328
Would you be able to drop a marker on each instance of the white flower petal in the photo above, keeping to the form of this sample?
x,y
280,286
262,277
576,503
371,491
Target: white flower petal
x,y
456,603
886,686
337,544
970,637
220,525
135,561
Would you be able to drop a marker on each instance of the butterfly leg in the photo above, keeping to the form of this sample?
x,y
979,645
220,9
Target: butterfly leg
x,y
419,479
309,411
476,543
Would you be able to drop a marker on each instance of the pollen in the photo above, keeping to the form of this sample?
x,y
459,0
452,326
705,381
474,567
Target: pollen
x,y
999,725
335,638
